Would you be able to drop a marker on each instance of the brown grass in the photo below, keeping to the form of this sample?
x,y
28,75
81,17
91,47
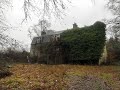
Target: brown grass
x,y
56,77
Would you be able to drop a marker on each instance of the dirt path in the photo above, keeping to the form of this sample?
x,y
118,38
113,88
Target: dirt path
x,y
87,83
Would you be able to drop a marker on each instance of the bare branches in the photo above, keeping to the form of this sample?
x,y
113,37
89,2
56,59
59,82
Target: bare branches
x,y
114,6
41,8
44,8
5,40
114,24
43,25
3,24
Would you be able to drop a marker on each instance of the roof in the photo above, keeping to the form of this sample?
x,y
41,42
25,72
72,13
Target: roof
x,y
41,39
45,38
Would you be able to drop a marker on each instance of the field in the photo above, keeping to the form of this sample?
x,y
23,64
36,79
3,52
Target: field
x,y
61,77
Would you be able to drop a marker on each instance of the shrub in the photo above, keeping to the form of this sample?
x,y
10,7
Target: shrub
x,y
113,49
10,55
4,72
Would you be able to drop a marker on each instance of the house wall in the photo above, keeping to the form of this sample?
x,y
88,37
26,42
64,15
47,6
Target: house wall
x,y
47,51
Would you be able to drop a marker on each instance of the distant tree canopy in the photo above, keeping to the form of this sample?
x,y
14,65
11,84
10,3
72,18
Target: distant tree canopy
x,y
85,43
114,23
113,48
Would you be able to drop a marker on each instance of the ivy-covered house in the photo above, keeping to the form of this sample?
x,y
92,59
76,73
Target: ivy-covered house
x,y
75,45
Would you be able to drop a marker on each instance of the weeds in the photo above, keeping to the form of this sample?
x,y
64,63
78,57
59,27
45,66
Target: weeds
x,y
57,77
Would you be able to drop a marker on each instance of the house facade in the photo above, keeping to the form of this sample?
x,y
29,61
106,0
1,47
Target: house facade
x,y
46,49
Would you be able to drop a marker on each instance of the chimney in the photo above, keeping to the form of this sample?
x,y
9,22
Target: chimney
x,y
75,26
43,33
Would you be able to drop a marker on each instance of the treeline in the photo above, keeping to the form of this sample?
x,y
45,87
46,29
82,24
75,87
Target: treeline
x,y
113,50
12,56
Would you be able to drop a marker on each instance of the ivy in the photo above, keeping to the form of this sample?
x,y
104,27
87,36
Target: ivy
x,y
84,43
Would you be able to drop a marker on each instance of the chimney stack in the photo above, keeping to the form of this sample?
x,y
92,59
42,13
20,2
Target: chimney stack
x,y
75,26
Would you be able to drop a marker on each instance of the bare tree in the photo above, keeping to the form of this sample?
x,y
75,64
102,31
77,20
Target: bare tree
x,y
114,6
114,28
114,31
43,25
41,8
5,40
44,8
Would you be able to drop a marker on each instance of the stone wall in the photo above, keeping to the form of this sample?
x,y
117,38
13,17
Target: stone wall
x,y
47,52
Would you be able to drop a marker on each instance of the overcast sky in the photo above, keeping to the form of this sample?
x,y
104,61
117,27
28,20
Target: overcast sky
x,y
83,12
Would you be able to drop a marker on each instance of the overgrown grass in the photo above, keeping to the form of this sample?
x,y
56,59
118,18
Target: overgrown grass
x,y
56,77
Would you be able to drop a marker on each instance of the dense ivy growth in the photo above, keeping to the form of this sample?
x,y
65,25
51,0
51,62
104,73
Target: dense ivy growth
x,y
84,43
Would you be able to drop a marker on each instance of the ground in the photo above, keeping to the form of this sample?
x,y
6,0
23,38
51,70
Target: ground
x,y
61,77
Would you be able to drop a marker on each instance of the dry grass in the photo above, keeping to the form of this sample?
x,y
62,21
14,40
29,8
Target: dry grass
x,y
56,77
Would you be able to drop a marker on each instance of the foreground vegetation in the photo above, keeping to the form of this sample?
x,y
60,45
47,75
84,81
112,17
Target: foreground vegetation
x,y
61,77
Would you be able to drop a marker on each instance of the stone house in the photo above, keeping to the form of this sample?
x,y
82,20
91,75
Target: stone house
x,y
46,49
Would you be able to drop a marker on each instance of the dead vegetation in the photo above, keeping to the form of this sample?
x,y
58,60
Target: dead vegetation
x,y
62,77
4,72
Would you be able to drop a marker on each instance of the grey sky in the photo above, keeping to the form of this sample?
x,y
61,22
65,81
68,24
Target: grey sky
x,y
83,12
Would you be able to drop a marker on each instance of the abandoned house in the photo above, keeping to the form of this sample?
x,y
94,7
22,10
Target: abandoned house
x,y
47,49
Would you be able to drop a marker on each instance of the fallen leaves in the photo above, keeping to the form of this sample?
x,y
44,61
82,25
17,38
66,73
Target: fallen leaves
x,y
57,77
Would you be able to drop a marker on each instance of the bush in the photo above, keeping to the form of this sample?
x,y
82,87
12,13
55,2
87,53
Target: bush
x,y
84,43
10,56
4,72
113,49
